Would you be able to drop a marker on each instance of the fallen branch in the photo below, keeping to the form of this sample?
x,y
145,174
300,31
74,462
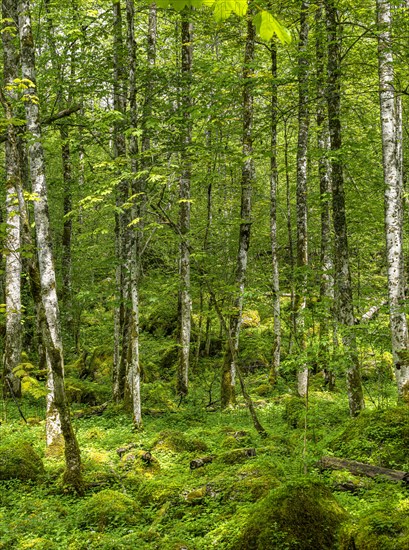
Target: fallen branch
x,y
362,469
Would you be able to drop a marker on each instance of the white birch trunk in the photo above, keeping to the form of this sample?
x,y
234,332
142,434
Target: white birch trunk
x,y
275,363
391,124
302,209
58,415
12,245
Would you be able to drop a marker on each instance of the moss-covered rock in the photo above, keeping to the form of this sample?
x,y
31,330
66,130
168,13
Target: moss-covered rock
x,y
108,508
140,462
20,461
380,437
382,529
297,516
237,456
178,442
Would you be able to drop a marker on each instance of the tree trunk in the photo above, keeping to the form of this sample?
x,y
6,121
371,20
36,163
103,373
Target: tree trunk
x,y
275,362
345,311
324,174
134,370
247,181
121,313
185,305
302,209
13,337
392,167
57,398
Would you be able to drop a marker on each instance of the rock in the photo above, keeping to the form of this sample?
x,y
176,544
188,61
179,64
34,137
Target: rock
x,y
20,461
200,462
302,515
108,508
238,455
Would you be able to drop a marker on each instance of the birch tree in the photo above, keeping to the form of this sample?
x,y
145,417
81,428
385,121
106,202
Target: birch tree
x,y
58,414
13,337
390,108
247,182
275,364
302,208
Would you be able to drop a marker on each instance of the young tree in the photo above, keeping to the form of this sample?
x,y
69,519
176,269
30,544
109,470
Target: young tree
x,y
302,207
247,182
390,104
345,310
185,304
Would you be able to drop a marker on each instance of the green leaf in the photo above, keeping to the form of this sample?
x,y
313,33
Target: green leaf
x,y
267,25
222,9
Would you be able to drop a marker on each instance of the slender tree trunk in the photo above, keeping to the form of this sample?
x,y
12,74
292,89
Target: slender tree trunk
x,y
185,305
290,238
345,311
134,371
13,337
302,209
121,314
46,262
324,174
392,166
247,181
275,362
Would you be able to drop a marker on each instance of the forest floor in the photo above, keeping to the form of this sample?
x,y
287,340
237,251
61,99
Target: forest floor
x,y
146,495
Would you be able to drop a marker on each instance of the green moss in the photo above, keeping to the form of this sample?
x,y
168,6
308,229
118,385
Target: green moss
x,y
382,529
108,508
178,442
20,461
298,516
380,437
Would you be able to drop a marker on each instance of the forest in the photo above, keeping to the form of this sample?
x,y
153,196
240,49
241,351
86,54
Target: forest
x,y
204,271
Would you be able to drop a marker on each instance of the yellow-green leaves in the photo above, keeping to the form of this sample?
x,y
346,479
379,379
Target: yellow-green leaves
x,y
267,25
222,9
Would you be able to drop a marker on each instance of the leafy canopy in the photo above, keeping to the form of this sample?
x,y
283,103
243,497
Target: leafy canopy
x,y
266,24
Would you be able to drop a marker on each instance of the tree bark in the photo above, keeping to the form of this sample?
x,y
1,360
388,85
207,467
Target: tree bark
x,y
57,402
185,304
13,337
121,314
302,208
134,370
324,174
275,362
247,181
392,168
345,311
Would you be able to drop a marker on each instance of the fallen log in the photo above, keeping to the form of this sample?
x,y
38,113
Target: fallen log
x,y
362,469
